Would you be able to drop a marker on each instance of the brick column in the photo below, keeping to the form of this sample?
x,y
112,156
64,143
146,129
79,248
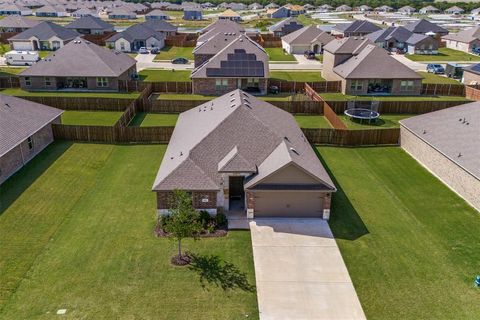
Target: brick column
x,y
249,195
327,202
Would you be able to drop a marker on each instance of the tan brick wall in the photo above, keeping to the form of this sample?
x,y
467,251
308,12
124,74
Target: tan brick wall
x,y
463,183
469,77
417,88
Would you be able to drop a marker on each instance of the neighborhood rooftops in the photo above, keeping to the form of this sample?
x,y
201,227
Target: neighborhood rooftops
x,y
137,31
46,30
349,45
279,25
454,132
15,21
307,35
466,36
242,57
424,26
89,22
357,26
84,59
19,119
224,135
216,43
400,34
373,62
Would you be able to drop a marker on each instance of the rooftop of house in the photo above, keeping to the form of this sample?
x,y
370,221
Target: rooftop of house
x,y
19,119
89,22
466,36
156,13
44,31
84,59
279,25
215,43
224,26
348,45
424,26
229,13
242,57
453,132
397,33
359,26
222,136
307,35
144,30
15,21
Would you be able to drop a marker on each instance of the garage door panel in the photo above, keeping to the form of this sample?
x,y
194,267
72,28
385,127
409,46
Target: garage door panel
x,y
288,204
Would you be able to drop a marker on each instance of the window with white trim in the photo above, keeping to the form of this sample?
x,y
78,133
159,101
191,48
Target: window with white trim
x,y
28,81
102,82
356,85
48,82
406,85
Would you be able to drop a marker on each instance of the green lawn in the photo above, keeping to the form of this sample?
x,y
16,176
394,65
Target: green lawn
x,y
444,54
4,48
308,76
385,121
410,244
22,93
43,54
91,118
10,71
277,54
343,97
76,232
431,78
169,53
155,75
143,119
312,122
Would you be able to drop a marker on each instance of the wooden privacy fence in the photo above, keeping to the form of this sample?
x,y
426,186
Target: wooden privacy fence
x,y
432,89
140,103
173,87
80,103
342,137
9,82
472,93
182,40
328,112
296,86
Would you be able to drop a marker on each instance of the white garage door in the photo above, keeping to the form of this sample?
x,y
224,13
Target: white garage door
x,y
22,45
288,204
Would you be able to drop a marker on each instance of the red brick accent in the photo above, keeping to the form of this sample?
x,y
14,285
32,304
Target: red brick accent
x,y
198,196
250,199
327,202
163,199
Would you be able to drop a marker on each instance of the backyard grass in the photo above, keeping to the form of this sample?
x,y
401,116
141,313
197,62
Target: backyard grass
x,y
91,118
431,78
410,244
277,54
385,121
169,53
143,119
444,54
343,97
312,122
22,93
154,75
308,76
10,71
76,233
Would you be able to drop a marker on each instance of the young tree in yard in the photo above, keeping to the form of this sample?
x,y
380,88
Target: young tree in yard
x,y
183,222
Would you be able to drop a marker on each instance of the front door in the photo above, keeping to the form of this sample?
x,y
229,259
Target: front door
x,y
236,193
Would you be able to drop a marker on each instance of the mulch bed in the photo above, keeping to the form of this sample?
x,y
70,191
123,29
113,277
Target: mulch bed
x,y
220,232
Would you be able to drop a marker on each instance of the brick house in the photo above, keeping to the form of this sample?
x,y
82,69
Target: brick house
x,y
465,40
284,27
471,74
361,66
215,154
211,46
356,28
25,130
79,66
242,64
446,143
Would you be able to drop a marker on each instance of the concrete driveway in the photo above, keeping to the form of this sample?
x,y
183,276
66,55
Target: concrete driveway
x,y
300,273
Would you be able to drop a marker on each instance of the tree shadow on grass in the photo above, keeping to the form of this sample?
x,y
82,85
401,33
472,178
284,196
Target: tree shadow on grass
x,y
11,189
344,222
215,271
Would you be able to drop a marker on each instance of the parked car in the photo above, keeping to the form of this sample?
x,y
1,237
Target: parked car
x,y
274,90
435,68
155,50
309,54
21,58
476,50
180,61
143,50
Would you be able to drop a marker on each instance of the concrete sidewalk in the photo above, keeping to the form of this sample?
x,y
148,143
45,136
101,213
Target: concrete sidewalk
x,y
300,273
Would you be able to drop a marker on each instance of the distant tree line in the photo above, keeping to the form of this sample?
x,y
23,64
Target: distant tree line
x,y
396,4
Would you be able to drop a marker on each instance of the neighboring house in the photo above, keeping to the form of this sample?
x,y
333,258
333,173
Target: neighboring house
x,y
384,9
90,25
323,8
161,26
308,38
355,28
211,46
51,11
121,14
135,37
364,68
426,27
192,14
407,10
16,24
80,65
242,64
295,10
454,10
272,6
308,7
428,10
44,36
399,38
446,143
156,15
466,40
231,15
343,8
84,12
216,154
422,44
14,9
279,13
224,26
255,6
25,130
471,74
284,27
364,8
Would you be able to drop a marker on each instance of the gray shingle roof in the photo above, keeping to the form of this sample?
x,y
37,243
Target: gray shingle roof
x,y
216,43
446,131
240,128
424,26
137,32
307,35
89,22
351,45
400,34
18,22
359,26
225,26
19,119
84,59
279,25
372,63
466,36
44,31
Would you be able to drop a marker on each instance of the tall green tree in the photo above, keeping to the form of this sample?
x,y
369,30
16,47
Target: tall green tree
x,y
184,220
